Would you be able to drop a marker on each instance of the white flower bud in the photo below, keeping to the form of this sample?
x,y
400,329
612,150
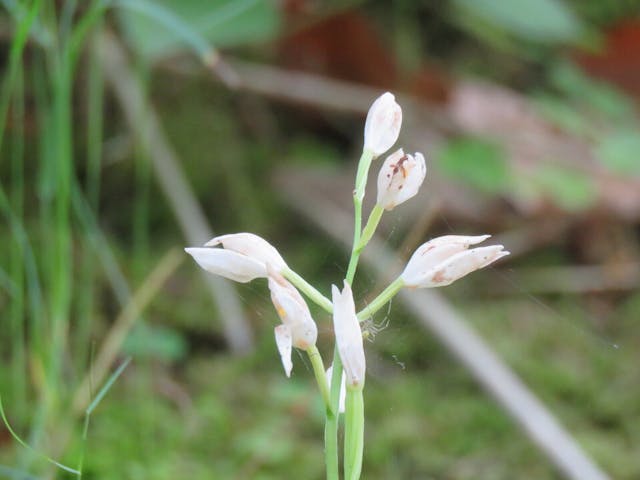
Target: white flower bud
x,y
228,264
348,336
382,126
400,178
443,260
293,311
244,257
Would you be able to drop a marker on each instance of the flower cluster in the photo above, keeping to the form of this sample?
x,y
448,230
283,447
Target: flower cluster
x,y
243,257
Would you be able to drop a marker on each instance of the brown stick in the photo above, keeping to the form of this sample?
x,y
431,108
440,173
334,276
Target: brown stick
x,y
143,120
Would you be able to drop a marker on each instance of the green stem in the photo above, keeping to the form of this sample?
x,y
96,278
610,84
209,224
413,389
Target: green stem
x,y
381,300
321,377
354,434
370,227
309,290
358,196
362,174
331,421
331,425
355,253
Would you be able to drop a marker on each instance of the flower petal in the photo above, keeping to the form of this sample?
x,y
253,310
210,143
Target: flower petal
x,y
430,254
400,178
252,246
227,263
461,264
348,336
343,391
284,342
292,310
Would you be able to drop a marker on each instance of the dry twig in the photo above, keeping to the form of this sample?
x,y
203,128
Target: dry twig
x,y
143,120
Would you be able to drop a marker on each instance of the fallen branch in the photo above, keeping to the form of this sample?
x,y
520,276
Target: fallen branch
x,y
143,120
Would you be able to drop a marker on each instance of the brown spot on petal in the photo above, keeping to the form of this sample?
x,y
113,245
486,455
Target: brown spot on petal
x,y
439,276
431,247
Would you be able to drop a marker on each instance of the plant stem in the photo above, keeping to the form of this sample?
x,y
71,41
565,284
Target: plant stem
x,y
321,377
381,300
358,196
331,421
309,290
370,227
354,433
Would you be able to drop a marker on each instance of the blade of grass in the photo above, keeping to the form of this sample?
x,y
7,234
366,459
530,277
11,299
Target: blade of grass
x,y
28,447
15,58
87,275
93,405
123,324
142,172
188,213
16,309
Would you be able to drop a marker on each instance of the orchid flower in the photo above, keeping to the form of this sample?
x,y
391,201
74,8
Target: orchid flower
x,y
443,260
298,328
244,257
400,178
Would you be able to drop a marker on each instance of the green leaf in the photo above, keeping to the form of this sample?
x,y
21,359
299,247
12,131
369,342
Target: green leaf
x,y
570,189
620,151
544,21
160,28
475,161
600,96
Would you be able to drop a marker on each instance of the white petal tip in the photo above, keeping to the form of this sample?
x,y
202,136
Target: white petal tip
x,y
284,344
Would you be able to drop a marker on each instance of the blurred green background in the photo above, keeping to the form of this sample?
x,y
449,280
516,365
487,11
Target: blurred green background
x,y
527,113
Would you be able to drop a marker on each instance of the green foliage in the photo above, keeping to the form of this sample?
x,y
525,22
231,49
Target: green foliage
x,y
599,97
163,27
156,342
563,114
620,151
476,161
570,189
544,21
597,113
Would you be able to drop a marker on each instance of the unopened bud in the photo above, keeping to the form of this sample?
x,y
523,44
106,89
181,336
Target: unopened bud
x,y
382,127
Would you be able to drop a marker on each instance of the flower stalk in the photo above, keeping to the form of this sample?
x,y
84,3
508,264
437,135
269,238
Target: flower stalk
x,y
358,196
370,227
309,290
381,300
331,421
353,433
321,377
